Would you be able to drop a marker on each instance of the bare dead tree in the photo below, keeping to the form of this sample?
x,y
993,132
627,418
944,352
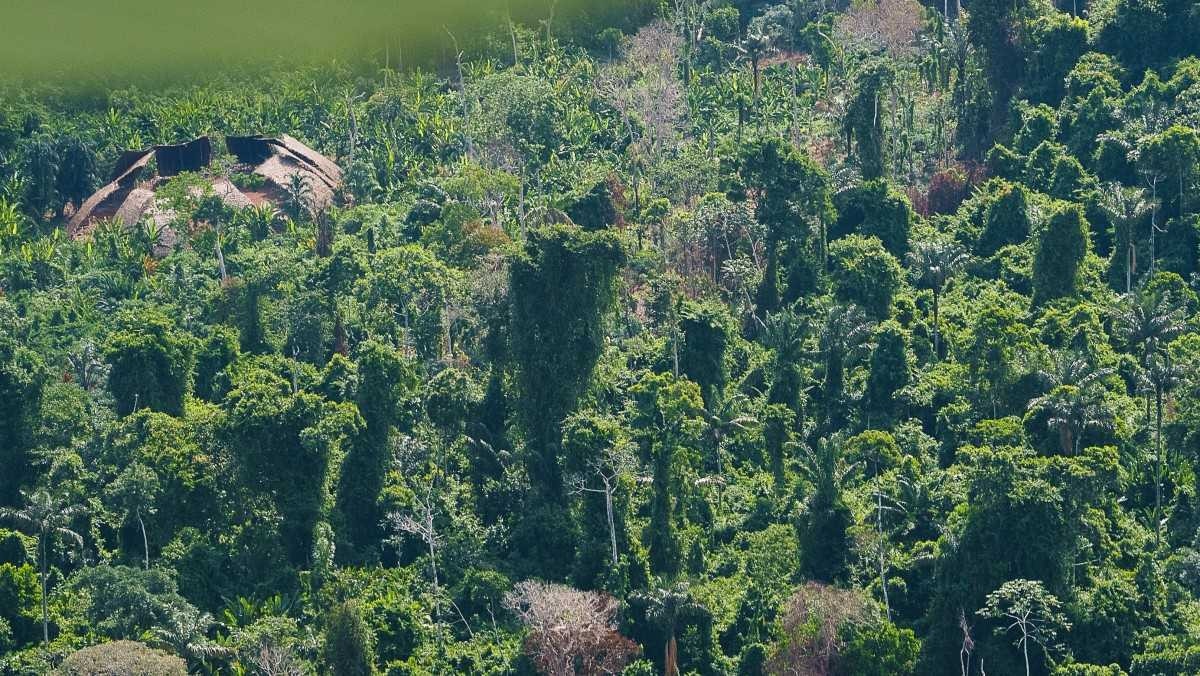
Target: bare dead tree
x,y
608,469
274,660
968,644
421,524
570,631
889,26
643,86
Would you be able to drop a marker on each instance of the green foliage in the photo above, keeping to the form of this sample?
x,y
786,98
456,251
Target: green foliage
x,y
23,376
1062,245
347,649
691,303
1057,41
1079,669
286,446
865,115
875,209
151,363
890,371
124,602
385,384
878,650
215,353
560,287
864,273
792,199
824,521
706,335
1166,655
19,599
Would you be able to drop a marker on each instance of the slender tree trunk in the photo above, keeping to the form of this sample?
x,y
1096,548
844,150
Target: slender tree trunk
x,y
937,328
145,540
612,526
1153,226
1025,650
887,606
436,589
220,258
45,609
1158,464
1130,253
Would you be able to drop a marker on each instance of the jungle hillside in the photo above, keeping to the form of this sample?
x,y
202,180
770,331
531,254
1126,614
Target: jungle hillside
x,y
644,337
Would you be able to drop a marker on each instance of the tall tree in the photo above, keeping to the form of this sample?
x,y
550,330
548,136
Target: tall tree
x,y
151,362
48,518
890,371
136,491
844,337
792,199
866,117
1125,207
1034,613
667,411
1072,411
1173,154
561,285
348,648
934,263
385,383
23,378
1062,245
670,609
825,519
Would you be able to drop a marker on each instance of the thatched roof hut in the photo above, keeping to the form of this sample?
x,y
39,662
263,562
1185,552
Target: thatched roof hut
x,y
130,196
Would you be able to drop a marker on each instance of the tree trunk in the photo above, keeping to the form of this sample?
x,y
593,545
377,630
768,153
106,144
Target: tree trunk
x,y
887,606
612,527
220,259
1158,464
1130,253
145,540
671,659
937,331
1153,224
45,610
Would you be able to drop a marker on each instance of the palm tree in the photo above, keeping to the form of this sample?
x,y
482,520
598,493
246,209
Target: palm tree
x,y
298,196
725,417
185,631
135,492
1150,320
844,337
1161,378
755,46
48,518
87,368
260,219
934,263
1070,368
784,333
669,608
1072,411
1125,206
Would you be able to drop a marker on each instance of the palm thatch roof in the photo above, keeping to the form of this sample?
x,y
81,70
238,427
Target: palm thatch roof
x,y
129,196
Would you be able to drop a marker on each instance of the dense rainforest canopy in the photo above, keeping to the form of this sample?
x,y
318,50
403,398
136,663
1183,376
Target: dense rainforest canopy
x,y
711,337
